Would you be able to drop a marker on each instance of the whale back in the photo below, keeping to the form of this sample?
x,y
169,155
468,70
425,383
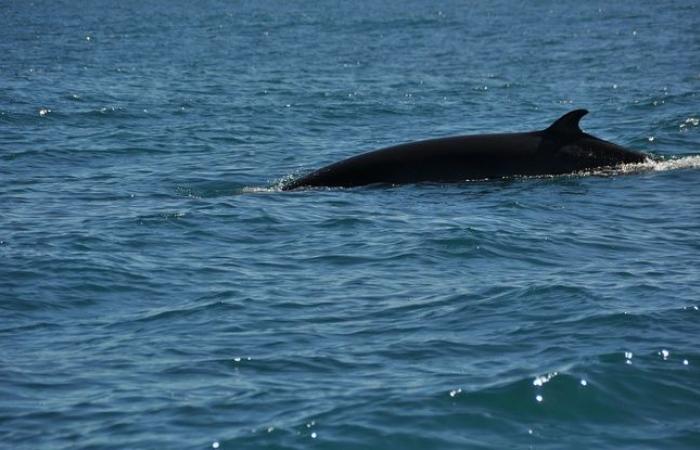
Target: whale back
x,y
560,148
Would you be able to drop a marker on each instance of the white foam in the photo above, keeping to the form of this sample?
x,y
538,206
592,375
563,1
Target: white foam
x,y
683,162
261,189
650,165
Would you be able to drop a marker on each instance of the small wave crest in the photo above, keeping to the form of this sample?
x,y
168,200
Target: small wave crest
x,y
684,162
648,165
277,187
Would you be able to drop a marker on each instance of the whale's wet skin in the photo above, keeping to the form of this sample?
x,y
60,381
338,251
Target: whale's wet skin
x,y
561,148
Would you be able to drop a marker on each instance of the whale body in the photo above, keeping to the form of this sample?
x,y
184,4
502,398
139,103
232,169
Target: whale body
x,y
559,149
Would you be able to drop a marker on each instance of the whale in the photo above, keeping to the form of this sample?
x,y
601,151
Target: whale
x,y
561,148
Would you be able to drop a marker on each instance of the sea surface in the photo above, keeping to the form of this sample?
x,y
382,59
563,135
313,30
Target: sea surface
x,y
158,290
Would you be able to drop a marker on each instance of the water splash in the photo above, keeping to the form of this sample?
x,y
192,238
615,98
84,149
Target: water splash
x,y
662,165
276,187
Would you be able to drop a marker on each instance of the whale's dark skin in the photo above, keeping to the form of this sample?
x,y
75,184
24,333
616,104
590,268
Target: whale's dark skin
x,y
561,148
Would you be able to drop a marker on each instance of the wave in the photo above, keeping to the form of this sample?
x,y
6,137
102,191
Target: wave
x,y
649,165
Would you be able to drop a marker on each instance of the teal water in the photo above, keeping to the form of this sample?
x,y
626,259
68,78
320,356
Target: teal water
x,y
158,290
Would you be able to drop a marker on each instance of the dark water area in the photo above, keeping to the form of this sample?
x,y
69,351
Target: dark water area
x,y
158,290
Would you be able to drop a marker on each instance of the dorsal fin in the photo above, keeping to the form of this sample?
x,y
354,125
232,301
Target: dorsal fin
x,y
568,123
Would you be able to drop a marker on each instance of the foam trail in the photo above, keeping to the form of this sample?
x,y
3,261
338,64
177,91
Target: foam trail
x,y
653,165
685,162
649,165
261,189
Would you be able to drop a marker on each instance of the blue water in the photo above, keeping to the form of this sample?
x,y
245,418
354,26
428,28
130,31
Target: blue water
x,y
158,290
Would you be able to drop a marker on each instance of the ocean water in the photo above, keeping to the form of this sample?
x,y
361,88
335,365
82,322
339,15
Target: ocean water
x,y
159,291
